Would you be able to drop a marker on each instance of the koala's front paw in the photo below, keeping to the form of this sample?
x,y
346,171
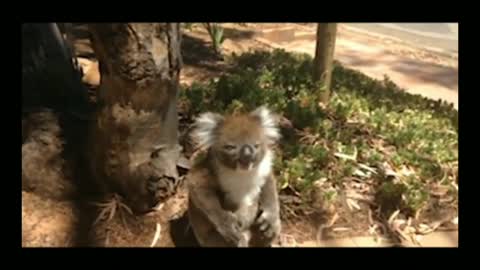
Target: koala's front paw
x,y
269,224
232,230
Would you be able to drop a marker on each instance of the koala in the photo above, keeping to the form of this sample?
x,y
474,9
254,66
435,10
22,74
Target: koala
x,y
233,197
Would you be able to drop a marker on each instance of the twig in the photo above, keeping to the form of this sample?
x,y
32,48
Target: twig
x,y
157,235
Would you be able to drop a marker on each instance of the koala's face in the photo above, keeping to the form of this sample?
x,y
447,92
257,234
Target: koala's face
x,y
240,141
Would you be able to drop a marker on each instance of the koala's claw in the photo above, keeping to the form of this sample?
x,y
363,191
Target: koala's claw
x,y
264,226
268,224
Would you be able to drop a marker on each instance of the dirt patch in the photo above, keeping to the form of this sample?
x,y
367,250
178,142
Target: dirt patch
x,y
116,227
47,222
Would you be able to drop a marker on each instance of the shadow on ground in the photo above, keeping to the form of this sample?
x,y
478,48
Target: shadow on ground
x,y
199,53
417,70
237,34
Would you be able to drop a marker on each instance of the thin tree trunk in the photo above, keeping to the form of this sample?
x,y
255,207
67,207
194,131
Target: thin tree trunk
x,y
134,147
322,73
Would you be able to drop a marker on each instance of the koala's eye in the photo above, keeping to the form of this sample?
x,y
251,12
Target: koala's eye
x,y
229,147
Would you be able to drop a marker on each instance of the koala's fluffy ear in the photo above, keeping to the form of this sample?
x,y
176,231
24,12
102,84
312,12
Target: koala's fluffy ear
x,y
268,123
204,131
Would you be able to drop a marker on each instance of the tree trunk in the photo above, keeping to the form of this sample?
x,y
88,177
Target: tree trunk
x,y
322,73
134,147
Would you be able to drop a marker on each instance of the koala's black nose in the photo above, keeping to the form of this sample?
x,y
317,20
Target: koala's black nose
x,y
247,152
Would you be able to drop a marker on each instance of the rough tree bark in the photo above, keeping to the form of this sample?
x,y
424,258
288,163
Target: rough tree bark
x,y
322,70
134,147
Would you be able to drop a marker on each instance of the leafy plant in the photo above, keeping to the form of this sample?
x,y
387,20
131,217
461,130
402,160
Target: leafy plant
x,y
215,31
368,122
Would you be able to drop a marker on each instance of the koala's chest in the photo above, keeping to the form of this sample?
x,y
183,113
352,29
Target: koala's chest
x,y
241,189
